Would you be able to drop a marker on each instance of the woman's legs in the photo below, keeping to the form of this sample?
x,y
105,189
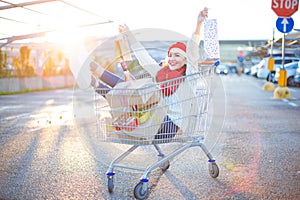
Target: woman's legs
x,y
104,75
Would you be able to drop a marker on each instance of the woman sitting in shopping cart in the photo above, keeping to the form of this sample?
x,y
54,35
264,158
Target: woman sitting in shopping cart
x,y
182,60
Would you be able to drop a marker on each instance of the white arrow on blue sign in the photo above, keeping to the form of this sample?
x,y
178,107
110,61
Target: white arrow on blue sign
x,y
284,25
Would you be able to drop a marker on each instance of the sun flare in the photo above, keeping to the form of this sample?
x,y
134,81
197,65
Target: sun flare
x,y
65,36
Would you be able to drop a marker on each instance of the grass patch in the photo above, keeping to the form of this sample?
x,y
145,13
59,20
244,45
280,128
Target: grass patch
x,y
26,90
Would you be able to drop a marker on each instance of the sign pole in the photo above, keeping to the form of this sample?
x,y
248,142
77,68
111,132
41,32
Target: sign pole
x,y
272,42
283,50
282,82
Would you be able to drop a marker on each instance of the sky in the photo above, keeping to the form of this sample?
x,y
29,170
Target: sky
x,y
237,19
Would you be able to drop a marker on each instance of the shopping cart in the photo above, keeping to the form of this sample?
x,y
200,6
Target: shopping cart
x,y
144,112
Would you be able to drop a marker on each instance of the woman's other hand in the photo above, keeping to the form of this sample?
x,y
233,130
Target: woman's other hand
x,y
123,28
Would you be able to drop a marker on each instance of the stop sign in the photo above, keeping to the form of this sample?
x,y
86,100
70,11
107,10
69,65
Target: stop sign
x,y
285,8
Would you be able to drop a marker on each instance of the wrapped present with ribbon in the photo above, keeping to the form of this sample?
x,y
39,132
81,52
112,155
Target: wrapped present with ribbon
x,y
137,108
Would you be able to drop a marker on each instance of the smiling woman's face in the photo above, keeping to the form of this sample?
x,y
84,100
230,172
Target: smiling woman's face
x,y
176,60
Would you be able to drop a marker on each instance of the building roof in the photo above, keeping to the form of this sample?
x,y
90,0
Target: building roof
x,y
292,40
21,19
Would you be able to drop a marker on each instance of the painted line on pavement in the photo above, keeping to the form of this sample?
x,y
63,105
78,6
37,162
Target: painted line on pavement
x,y
15,116
290,103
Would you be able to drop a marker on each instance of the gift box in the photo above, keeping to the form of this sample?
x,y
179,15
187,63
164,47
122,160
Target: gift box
x,y
137,108
133,95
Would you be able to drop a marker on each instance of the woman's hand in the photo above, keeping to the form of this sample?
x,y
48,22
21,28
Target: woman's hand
x,y
203,15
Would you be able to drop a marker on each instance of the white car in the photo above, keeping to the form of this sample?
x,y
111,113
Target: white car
x,y
253,70
265,73
222,69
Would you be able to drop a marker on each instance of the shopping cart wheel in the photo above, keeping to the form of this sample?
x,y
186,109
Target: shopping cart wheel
x,y
165,166
141,191
213,169
110,183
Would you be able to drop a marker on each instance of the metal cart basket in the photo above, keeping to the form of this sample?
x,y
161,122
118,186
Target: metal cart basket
x,y
144,112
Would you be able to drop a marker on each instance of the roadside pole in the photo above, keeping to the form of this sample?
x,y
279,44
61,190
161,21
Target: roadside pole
x,y
269,85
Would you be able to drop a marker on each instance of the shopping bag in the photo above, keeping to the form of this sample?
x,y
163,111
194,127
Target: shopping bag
x,y
211,41
121,50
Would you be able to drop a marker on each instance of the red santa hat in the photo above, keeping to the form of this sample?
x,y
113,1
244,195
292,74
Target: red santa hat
x,y
177,47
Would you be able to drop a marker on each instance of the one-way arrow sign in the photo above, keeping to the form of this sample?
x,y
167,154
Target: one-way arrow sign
x,y
284,25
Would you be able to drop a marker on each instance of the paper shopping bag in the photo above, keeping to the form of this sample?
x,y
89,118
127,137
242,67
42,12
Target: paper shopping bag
x,y
121,50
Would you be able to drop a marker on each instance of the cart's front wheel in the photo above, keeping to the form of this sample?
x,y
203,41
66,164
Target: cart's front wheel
x,y
213,170
110,184
141,191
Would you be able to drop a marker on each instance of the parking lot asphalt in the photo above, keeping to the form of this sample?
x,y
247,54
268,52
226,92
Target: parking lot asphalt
x,y
45,153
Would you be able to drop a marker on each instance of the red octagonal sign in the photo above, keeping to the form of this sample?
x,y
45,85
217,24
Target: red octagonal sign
x,y
285,8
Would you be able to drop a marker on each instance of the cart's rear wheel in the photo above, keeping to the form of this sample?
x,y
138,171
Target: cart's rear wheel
x,y
165,166
140,192
213,170
110,184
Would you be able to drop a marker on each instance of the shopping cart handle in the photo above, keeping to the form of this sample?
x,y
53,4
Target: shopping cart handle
x,y
217,63
209,63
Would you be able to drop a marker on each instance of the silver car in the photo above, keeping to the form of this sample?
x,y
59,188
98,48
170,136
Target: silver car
x,y
291,69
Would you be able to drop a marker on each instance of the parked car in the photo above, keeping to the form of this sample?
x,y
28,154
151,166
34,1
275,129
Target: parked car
x,y
265,73
222,69
291,69
247,68
297,75
232,68
254,68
